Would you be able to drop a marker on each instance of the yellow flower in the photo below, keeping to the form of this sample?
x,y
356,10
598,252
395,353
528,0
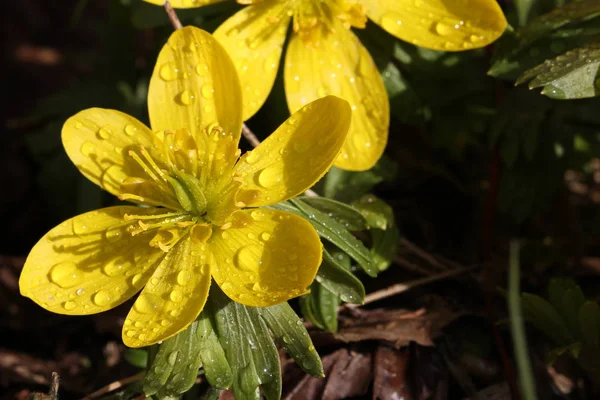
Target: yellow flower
x,y
325,57
195,188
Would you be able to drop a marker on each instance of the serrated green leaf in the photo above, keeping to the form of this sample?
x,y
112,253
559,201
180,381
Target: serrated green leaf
x,y
136,357
384,246
589,320
340,280
175,366
337,235
344,214
288,329
567,298
539,312
249,349
376,211
216,368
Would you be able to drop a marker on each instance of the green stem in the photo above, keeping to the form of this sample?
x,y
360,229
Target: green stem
x,y
517,326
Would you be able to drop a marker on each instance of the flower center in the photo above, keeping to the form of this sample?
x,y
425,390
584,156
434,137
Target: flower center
x,y
314,17
190,177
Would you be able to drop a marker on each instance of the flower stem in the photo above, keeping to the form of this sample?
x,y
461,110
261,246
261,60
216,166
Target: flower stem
x,y
172,16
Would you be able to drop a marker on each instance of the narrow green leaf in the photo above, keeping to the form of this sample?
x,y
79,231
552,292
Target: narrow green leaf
x,y
136,357
340,280
376,211
307,310
293,337
384,246
325,306
216,368
342,213
544,317
175,366
248,347
337,234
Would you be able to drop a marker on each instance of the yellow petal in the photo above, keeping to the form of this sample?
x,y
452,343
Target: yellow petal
x,y
89,263
184,3
296,155
99,142
271,257
194,86
254,39
174,296
450,25
341,66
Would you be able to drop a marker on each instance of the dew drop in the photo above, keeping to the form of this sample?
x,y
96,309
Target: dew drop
x,y
172,359
115,266
131,333
186,97
113,234
101,298
130,130
87,149
269,177
301,146
443,29
176,296
265,236
155,281
168,71
146,303
78,125
226,286
208,91
202,69
136,280
165,322
65,274
69,305
103,133
391,21
79,292
183,277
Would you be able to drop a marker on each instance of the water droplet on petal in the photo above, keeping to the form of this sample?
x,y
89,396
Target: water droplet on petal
x,y
115,267
186,97
269,177
104,133
69,305
207,91
202,69
146,303
102,298
183,277
87,149
136,280
168,71
176,295
130,130
113,234
65,274
265,236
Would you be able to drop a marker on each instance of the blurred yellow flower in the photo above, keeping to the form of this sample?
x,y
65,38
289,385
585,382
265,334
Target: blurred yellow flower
x,y
195,188
325,57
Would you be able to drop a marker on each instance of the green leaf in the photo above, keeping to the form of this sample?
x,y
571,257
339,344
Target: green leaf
x,y
567,297
337,235
342,213
216,368
325,306
569,13
289,330
338,279
248,347
384,246
574,74
539,312
347,186
175,366
376,211
589,320
136,357
307,310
